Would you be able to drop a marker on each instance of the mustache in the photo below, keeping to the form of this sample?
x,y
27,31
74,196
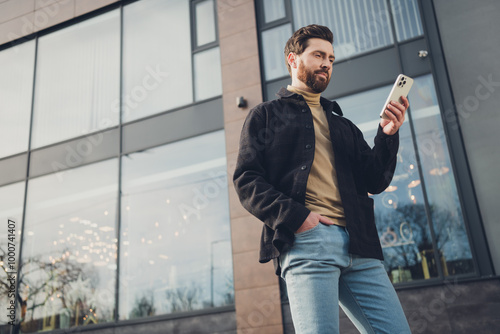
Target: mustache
x,y
322,71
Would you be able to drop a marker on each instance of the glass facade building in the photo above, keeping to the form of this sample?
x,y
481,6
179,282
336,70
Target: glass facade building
x,y
119,128
112,231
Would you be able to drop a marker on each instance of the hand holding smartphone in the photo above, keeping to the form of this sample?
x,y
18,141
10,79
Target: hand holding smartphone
x,y
400,88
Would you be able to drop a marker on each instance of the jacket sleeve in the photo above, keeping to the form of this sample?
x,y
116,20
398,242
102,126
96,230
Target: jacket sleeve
x,y
257,195
378,163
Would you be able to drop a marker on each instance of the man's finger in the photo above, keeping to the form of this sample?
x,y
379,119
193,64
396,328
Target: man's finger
x,y
405,101
391,114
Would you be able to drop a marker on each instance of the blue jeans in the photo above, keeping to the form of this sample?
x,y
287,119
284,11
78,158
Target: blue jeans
x,y
320,274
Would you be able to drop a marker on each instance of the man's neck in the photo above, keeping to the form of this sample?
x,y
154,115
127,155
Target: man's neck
x,y
311,98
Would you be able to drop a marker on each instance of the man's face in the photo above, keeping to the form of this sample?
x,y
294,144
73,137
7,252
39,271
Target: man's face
x,y
314,65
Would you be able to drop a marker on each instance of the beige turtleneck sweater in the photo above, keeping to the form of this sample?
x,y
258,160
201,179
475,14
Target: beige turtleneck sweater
x,y
322,192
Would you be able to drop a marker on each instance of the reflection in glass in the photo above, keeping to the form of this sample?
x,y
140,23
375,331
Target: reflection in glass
x,y
357,26
175,252
406,19
207,72
69,249
438,176
273,43
77,80
205,22
11,213
273,10
402,211
157,73
16,86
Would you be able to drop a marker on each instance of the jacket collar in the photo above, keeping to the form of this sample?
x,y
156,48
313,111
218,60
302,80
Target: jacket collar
x,y
329,106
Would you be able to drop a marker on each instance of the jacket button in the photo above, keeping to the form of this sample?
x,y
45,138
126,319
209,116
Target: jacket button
x,y
298,193
303,167
308,146
308,126
304,110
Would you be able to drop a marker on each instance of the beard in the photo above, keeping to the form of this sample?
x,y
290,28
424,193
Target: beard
x,y
316,82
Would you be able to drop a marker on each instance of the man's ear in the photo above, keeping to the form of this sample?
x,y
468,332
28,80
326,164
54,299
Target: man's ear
x,y
292,60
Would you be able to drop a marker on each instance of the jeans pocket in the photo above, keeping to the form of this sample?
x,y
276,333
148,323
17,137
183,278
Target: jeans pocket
x,y
308,231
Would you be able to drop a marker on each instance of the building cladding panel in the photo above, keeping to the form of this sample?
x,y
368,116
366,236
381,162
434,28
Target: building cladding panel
x,y
470,40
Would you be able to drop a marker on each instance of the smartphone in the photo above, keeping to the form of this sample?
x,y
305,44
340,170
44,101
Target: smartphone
x,y
400,88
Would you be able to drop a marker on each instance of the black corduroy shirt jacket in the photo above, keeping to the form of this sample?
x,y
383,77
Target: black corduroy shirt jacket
x,y
275,156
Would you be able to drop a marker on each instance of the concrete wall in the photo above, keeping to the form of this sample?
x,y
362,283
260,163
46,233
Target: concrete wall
x,y
470,36
19,18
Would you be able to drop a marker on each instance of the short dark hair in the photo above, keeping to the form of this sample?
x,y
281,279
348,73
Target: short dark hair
x,y
299,40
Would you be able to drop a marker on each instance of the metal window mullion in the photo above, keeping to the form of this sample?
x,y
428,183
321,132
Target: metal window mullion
x,y
15,329
289,15
119,200
192,16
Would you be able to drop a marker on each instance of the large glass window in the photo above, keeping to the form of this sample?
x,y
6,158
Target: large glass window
x,y
273,44
358,26
208,78
69,249
77,80
418,216
157,66
68,269
406,19
11,214
16,86
205,22
175,250
274,10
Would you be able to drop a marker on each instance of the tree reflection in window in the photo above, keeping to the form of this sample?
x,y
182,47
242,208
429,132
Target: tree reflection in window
x,y
175,249
68,270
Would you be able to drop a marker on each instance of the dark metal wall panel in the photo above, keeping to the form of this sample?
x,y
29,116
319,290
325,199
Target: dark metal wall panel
x,y
184,123
75,153
273,87
13,169
413,65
